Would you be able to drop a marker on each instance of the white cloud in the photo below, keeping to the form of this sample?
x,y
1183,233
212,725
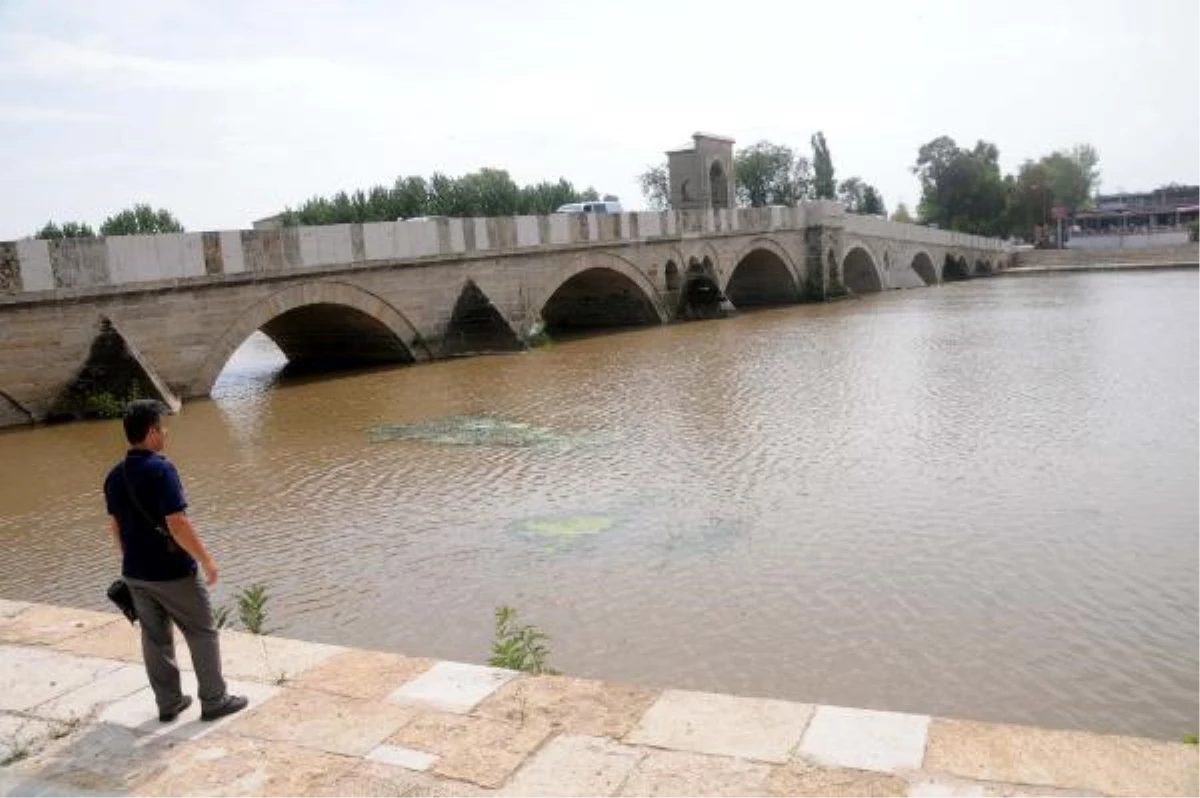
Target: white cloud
x,y
32,113
224,110
45,58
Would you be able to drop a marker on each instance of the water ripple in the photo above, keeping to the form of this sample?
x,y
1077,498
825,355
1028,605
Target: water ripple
x,y
978,500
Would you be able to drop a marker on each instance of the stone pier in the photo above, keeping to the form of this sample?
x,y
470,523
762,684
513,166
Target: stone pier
x,y
76,717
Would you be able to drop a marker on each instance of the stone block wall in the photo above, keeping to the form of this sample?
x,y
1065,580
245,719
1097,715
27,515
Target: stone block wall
x,y
32,266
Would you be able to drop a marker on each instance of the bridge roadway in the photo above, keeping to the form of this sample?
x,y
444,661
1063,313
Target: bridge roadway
x,y
178,305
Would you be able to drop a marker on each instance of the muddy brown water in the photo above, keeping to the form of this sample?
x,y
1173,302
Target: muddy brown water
x,y
978,500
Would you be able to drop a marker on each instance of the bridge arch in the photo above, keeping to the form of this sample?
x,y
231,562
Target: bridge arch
x,y
600,290
320,322
922,264
860,270
954,269
763,274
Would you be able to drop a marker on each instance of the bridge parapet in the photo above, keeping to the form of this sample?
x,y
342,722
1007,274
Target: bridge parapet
x,y
35,270
918,234
33,266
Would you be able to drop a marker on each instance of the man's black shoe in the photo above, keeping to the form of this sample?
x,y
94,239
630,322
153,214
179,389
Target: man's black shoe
x,y
231,704
166,716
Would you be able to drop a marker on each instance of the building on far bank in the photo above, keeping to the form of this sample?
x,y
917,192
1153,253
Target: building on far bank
x,y
1169,207
1136,219
269,222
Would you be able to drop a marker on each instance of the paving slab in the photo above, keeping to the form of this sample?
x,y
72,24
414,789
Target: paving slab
x,y
20,737
865,739
943,786
407,758
575,765
99,758
1067,759
10,608
483,751
323,722
139,713
572,706
681,773
377,778
371,675
801,778
87,699
224,764
121,641
452,686
709,723
30,676
43,625
270,659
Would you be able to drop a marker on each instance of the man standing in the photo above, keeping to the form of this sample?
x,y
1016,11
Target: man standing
x,y
159,551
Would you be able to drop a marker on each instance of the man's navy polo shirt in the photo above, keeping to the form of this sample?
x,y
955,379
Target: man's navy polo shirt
x,y
148,554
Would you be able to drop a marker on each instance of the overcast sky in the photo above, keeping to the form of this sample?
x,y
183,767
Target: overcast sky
x,y
224,112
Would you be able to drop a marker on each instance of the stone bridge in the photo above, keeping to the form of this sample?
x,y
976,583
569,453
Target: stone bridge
x,y
164,313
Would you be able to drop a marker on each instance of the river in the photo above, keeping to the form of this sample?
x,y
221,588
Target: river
x,y
977,500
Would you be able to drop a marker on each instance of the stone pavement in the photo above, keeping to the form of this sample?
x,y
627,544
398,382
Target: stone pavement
x,y
76,718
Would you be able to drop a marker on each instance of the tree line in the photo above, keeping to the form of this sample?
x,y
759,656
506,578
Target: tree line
x,y
963,189
774,174
486,192
140,219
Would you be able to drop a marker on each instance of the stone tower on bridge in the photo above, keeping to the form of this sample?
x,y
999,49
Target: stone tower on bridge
x,y
701,174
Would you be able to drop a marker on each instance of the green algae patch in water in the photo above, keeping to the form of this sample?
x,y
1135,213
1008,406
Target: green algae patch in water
x,y
473,431
568,528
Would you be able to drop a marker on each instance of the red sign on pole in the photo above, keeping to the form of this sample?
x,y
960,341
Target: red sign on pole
x,y
1060,212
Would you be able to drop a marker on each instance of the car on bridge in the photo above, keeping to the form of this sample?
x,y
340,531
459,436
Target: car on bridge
x,y
597,206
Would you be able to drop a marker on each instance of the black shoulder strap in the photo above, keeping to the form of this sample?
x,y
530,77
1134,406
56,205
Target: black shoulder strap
x,y
137,504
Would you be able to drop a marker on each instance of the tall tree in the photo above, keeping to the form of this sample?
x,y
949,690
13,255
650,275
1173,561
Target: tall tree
x,y
141,219
850,193
961,189
873,202
770,174
546,197
824,184
861,197
486,192
901,214
1064,178
1073,175
56,232
655,183
1029,200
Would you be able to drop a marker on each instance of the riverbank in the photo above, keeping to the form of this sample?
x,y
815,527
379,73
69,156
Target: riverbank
x,y
1037,261
76,717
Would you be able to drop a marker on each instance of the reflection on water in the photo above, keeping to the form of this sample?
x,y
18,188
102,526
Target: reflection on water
x,y
976,500
472,431
253,369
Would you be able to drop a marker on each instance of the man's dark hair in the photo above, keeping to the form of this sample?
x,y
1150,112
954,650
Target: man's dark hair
x,y
140,416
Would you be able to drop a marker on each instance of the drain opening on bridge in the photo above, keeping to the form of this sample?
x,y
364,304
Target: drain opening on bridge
x,y
113,374
477,327
701,297
955,269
